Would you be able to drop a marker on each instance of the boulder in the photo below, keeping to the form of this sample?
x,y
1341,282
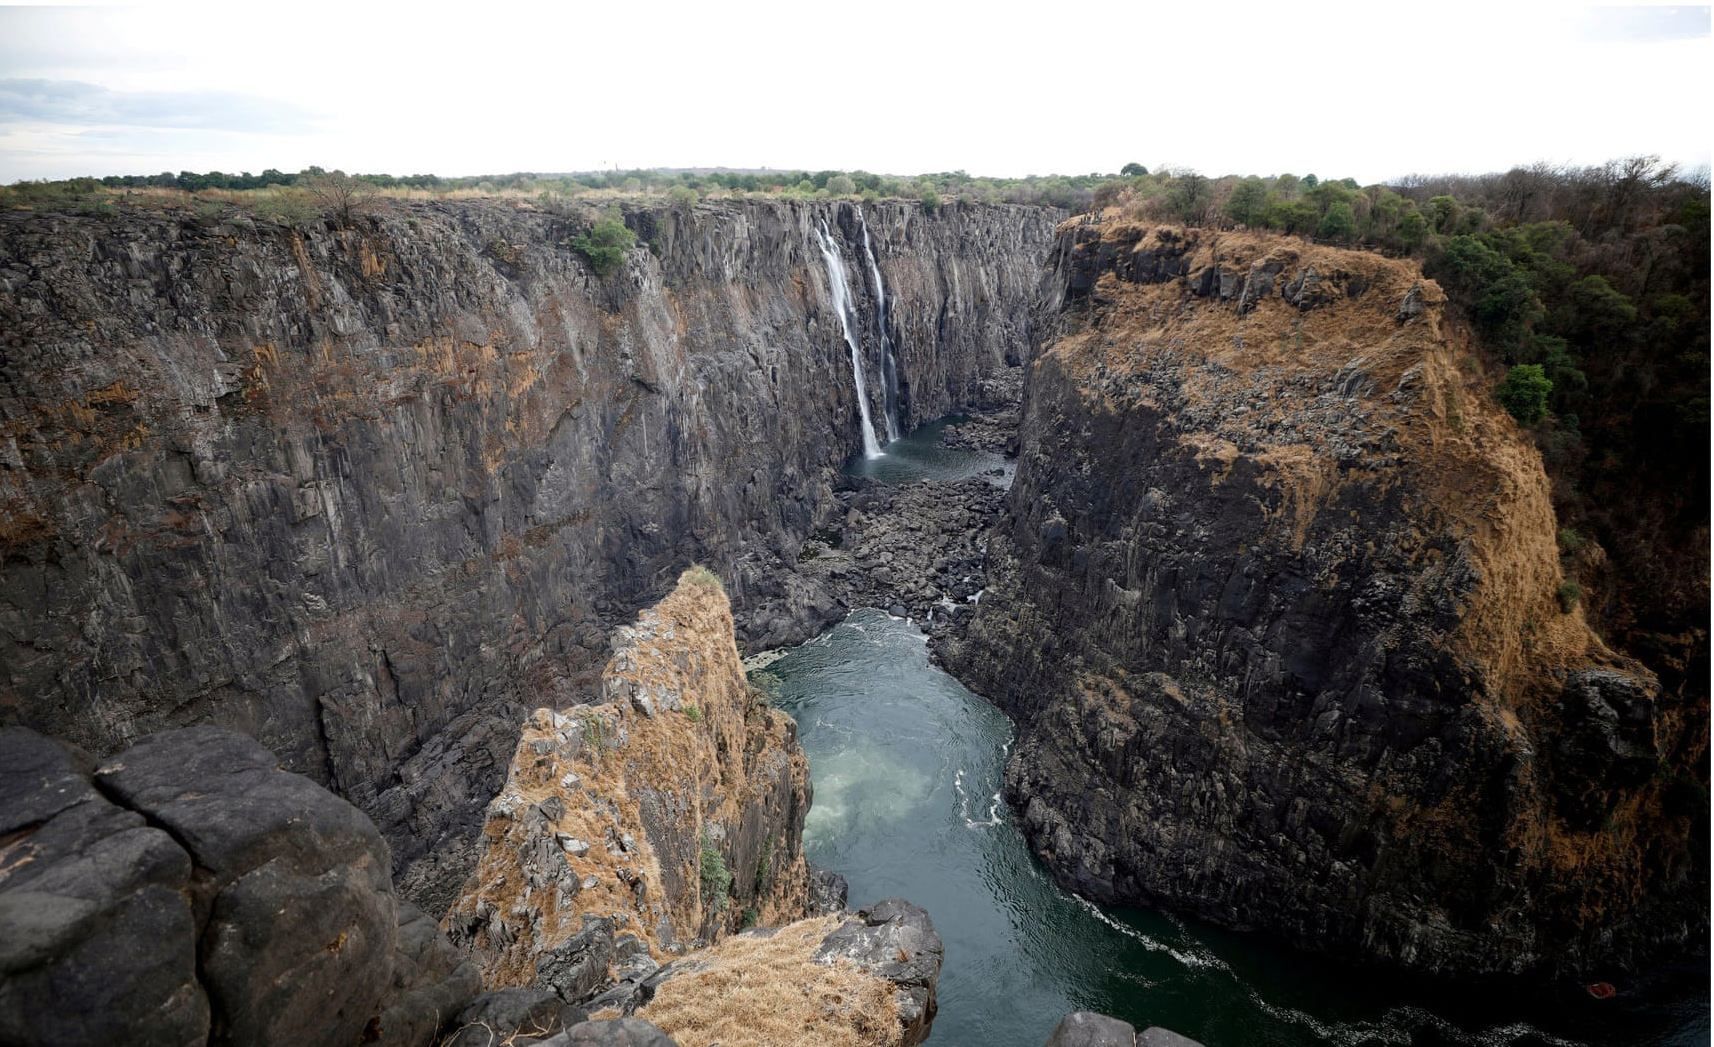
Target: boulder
x,y
1155,1036
618,1032
516,1016
1088,1029
263,904
85,888
293,888
895,940
576,967
431,979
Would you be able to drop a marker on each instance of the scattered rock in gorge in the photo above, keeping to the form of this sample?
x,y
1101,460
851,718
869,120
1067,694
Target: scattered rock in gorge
x,y
371,492
664,816
189,891
864,981
1274,607
913,549
992,423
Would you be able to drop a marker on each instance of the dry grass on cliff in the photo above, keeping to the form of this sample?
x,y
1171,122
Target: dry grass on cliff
x,y
1468,470
705,763
769,992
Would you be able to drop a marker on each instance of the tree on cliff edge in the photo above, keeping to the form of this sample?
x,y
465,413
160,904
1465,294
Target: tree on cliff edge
x,y
340,196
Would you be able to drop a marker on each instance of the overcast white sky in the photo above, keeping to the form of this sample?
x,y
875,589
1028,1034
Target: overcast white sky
x,y
1370,91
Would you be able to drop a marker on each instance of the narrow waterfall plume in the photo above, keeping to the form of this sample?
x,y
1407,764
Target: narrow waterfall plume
x,y
889,367
842,305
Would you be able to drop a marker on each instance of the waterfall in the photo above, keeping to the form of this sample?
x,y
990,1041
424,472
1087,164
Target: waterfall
x,y
889,368
842,305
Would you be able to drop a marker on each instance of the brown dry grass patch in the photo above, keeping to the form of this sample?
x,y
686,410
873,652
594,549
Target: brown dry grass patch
x,y
770,992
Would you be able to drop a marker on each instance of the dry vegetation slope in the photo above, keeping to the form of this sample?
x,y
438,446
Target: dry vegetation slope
x,y
617,809
1468,467
770,990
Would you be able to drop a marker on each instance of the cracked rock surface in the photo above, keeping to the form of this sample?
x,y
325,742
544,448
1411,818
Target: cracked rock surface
x,y
187,890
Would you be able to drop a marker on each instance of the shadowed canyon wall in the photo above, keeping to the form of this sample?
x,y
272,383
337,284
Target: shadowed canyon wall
x,y
1276,607
372,493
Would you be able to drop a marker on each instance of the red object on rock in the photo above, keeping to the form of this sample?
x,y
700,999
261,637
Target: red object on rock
x,y
1602,990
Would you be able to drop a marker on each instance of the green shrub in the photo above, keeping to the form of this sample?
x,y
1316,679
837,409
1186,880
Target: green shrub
x,y
716,878
1339,223
930,200
765,869
605,245
1248,204
682,195
1570,594
697,574
841,185
1524,393
1569,540
693,714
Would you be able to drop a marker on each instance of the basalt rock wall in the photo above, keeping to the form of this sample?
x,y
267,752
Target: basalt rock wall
x,y
371,491
1276,604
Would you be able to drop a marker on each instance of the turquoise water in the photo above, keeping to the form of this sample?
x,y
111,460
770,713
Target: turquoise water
x,y
920,455
907,763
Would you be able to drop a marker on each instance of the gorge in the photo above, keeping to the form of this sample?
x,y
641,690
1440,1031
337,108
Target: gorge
x,y
1269,596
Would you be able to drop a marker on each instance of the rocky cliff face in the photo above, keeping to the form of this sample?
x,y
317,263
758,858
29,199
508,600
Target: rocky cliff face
x,y
1275,608
372,493
668,814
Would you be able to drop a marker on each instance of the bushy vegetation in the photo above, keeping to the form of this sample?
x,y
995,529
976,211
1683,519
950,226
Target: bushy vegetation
x,y
697,574
1524,393
604,246
1074,193
716,877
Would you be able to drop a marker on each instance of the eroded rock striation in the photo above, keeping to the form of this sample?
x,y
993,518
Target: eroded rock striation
x,y
371,492
1274,606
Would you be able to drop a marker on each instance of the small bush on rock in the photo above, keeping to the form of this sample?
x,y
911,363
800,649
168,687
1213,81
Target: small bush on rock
x,y
716,877
605,245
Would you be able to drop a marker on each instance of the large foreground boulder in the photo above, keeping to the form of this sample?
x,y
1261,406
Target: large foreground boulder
x,y
190,891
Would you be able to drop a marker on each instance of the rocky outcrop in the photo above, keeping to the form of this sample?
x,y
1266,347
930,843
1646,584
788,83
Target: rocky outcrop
x,y
864,981
1088,1029
189,891
372,492
663,817
1274,606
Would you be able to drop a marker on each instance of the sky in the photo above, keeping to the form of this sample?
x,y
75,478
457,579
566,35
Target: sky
x,y
1372,91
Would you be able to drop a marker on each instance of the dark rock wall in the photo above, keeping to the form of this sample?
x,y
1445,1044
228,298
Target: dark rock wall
x,y
189,891
1272,604
369,494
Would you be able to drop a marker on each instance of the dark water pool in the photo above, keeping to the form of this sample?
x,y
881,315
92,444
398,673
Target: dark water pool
x,y
906,764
